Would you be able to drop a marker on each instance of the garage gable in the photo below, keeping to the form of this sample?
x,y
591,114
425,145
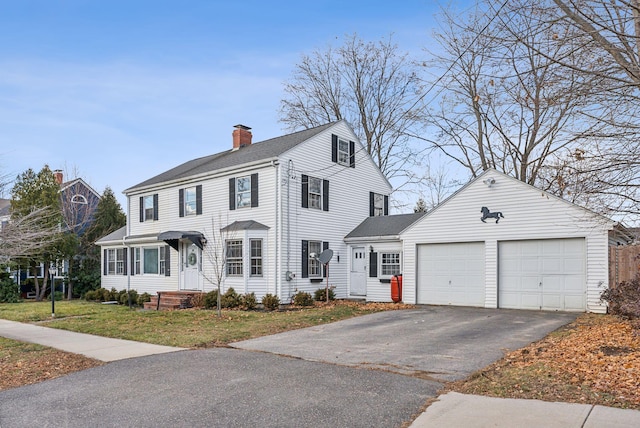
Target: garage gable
x,y
513,212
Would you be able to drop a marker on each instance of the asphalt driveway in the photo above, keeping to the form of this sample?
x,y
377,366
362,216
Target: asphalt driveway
x,y
441,343
284,380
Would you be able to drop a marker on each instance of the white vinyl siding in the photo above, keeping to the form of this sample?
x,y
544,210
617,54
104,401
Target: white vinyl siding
x,y
529,214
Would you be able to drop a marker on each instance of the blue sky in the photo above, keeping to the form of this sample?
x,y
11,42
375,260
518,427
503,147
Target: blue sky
x,y
119,91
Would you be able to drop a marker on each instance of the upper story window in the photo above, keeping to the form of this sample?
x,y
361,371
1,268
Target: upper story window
x,y
315,193
243,192
343,151
190,201
149,207
79,199
378,204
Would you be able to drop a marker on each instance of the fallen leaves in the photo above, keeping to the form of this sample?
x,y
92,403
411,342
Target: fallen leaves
x,y
596,359
25,363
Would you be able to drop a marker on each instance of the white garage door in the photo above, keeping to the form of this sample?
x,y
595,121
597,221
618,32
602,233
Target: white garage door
x,y
546,274
451,274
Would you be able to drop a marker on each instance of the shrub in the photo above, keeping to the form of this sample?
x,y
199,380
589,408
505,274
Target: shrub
x,y
624,298
197,300
270,302
57,295
321,296
249,301
302,299
211,299
92,295
230,299
124,298
143,298
9,291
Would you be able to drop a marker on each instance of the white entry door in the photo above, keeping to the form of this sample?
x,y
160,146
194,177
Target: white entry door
x,y
358,272
191,278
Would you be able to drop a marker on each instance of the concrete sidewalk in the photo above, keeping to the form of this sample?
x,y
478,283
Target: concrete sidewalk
x,y
98,347
472,411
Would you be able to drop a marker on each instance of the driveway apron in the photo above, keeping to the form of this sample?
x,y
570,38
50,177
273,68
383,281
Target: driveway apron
x,y
440,343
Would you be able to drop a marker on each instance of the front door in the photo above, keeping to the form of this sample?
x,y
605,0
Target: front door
x,y
358,272
191,265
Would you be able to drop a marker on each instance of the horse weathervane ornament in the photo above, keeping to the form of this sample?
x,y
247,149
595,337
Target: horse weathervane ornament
x,y
488,214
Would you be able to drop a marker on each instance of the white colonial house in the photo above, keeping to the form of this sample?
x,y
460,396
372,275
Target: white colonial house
x,y
526,249
266,209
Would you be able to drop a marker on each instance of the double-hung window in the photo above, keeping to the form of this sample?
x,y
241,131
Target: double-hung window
x,y
234,257
243,192
378,204
315,193
149,207
343,152
115,261
389,264
315,268
256,257
190,201
136,261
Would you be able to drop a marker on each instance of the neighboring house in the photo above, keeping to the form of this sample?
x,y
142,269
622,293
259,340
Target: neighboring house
x,y
5,213
267,209
541,253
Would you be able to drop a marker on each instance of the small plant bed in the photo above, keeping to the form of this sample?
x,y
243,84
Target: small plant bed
x,y
594,360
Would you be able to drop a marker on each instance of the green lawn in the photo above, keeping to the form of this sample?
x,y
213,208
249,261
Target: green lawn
x,y
185,328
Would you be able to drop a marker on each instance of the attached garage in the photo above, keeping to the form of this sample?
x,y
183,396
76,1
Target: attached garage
x,y
543,274
501,243
451,274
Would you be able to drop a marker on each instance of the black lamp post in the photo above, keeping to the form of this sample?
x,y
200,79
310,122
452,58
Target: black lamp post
x,y
52,272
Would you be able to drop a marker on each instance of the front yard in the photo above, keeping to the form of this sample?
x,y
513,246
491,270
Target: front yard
x,y
594,360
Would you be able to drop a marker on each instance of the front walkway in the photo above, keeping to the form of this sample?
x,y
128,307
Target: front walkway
x,y
97,347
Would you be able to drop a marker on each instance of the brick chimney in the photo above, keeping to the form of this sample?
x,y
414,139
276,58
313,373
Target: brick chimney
x,y
58,176
241,136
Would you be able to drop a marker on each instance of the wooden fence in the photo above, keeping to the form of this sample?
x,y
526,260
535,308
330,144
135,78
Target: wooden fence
x,y
624,263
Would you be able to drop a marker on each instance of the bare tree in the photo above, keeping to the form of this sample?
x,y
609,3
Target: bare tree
x,y
503,104
27,236
372,86
215,252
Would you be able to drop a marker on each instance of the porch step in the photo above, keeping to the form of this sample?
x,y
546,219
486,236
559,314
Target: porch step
x,y
170,300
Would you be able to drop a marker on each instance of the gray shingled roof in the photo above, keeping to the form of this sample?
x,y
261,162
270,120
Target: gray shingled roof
x,y
390,225
251,153
116,235
244,225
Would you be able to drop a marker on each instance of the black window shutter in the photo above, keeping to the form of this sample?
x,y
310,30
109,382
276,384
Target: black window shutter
x,y
199,199
334,148
305,259
124,260
133,261
352,154
181,202
155,206
141,209
325,246
373,265
305,191
167,260
372,198
325,195
232,193
254,190
106,263
386,205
